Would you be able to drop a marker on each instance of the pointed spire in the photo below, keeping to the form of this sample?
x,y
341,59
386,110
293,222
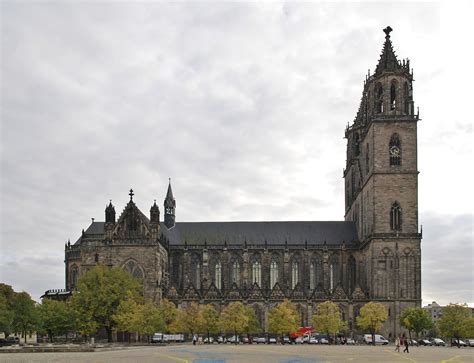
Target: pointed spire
x,y
169,193
154,213
170,206
388,60
110,213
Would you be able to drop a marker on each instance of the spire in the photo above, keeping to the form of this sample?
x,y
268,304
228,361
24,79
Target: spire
x,y
110,213
154,213
169,193
170,206
388,60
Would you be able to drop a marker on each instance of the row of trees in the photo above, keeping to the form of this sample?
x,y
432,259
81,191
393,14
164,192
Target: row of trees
x,y
111,299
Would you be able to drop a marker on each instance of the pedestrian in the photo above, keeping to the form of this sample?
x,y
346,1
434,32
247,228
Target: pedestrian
x,y
406,346
397,345
194,339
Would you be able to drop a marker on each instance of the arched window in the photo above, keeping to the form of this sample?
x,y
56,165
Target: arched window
x,y
218,275
236,272
312,275
406,103
74,276
393,95
295,276
196,271
352,274
134,269
356,145
395,150
257,273
367,159
334,272
396,217
273,273
378,98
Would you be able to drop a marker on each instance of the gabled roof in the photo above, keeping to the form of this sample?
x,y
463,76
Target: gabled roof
x,y
256,233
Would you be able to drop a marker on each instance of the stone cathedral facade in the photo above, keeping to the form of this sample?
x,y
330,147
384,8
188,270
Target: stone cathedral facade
x,y
374,255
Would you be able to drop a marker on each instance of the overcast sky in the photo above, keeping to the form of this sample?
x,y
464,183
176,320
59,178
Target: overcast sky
x,y
243,105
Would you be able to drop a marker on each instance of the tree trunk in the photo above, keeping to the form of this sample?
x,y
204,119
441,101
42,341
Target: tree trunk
x,y
108,329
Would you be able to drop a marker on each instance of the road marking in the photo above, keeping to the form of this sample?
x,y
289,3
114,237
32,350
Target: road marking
x,y
173,358
400,355
451,359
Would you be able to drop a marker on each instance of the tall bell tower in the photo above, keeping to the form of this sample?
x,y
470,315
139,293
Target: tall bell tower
x,y
381,184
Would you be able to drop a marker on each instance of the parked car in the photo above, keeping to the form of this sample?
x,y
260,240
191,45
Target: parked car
x,y
221,339
272,340
379,339
425,342
459,343
323,341
413,342
246,340
9,341
208,341
233,339
299,340
313,340
260,340
469,342
286,340
438,342
350,341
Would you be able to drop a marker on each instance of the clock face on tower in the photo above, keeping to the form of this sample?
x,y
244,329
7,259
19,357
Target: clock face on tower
x,y
394,151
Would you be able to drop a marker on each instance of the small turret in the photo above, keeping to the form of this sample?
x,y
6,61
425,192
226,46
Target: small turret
x,y
110,213
170,206
154,213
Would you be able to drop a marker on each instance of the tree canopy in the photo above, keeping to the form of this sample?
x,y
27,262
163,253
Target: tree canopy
x,y
283,318
24,314
372,316
327,318
456,321
210,320
234,318
98,296
415,320
54,318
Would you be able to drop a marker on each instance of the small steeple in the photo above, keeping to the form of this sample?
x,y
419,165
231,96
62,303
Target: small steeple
x,y
170,206
388,60
154,213
110,213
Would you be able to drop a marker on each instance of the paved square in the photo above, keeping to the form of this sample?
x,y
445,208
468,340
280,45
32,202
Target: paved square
x,y
188,353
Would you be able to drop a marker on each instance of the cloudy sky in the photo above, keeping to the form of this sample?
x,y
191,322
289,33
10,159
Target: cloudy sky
x,y
243,105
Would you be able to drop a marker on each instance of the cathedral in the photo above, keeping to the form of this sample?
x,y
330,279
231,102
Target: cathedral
x,y
373,255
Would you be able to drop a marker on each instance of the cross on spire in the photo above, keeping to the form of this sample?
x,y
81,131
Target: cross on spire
x,y
387,31
131,194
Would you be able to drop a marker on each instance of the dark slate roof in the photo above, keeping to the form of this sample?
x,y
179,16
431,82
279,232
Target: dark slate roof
x,y
275,233
255,233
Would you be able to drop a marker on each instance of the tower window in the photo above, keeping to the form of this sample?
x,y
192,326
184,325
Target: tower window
x,y
406,99
196,272
393,95
356,145
396,217
395,150
312,275
273,274
378,98
74,274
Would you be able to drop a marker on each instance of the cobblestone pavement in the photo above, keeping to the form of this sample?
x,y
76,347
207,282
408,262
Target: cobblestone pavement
x,y
254,353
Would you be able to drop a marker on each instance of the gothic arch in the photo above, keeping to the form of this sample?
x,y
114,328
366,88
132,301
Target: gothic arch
x,y
195,270
393,94
256,270
134,269
74,276
315,271
236,266
296,267
351,274
396,217
378,98
334,271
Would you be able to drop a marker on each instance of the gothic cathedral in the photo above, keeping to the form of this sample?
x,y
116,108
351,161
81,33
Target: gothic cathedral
x,y
374,255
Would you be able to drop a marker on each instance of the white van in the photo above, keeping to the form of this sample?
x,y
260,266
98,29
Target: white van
x,y
379,339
